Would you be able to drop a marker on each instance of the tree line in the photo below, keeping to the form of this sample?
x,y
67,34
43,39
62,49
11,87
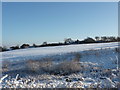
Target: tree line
x,y
67,41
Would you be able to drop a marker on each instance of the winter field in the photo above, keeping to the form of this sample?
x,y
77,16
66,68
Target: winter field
x,y
70,66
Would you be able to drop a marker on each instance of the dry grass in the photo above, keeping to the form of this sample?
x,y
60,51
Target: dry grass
x,y
97,53
117,50
46,65
5,66
67,67
39,65
77,56
118,85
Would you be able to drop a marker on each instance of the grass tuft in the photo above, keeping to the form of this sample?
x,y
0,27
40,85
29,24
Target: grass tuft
x,y
46,65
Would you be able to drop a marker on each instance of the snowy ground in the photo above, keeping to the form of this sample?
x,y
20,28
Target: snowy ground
x,y
34,53
99,62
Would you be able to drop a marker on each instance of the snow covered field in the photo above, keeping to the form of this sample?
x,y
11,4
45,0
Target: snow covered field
x,y
99,61
31,53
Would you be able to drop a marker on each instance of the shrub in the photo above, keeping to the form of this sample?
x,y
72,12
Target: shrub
x,y
14,47
4,49
46,65
25,46
67,67
89,40
39,65
64,68
117,49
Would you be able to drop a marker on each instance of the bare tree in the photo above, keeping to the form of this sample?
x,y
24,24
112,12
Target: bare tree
x,y
97,38
68,41
44,43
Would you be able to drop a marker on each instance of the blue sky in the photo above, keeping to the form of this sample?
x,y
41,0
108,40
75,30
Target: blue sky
x,y
52,22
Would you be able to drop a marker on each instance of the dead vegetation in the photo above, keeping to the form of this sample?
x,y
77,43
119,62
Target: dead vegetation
x,y
63,68
117,49
67,67
39,65
5,66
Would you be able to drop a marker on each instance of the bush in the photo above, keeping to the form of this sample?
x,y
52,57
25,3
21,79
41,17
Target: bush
x,y
67,67
39,66
117,49
4,49
14,47
25,46
46,65
89,40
